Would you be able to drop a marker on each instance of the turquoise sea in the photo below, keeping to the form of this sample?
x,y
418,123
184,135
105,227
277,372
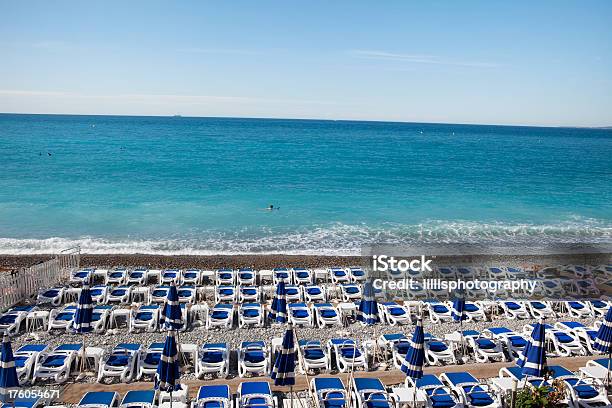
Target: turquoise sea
x,y
201,185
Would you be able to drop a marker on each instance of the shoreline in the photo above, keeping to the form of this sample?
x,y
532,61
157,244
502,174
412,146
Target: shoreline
x,y
267,261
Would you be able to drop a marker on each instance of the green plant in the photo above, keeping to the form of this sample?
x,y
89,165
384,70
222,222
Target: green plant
x,y
541,397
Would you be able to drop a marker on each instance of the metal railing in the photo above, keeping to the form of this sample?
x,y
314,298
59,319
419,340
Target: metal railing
x,y
23,285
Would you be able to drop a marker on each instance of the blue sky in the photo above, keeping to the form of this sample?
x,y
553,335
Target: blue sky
x,y
536,63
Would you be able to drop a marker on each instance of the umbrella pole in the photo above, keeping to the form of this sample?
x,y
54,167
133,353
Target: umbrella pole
x,y
608,375
297,342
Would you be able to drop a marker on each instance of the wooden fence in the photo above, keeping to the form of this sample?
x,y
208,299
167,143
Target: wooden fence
x,y
23,285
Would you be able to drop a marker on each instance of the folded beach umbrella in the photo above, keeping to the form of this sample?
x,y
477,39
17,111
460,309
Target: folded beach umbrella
x,y
171,314
415,356
168,368
8,373
278,312
368,308
283,372
459,308
84,311
603,341
534,356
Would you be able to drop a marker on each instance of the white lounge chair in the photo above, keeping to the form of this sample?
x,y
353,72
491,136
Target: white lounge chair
x,y
246,277
514,309
225,277
120,294
249,294
438,352
314,294
514,342
137,276
192,276
11,321
357,275
255,394
339,275
221,315
100,316
253,358
540,309
217,396
140,399
159,294
438,312
370,393
57,364
122,362
149,360
225,294
347,354
25,360
281,275
117,276
471,392
99,399
328,392
302,276
251,314
99,293
485,349
213,358
582,393
437,394
54,296
326,314
394,314
170,276
293,293
350,292
300,314
61,319
187,294
312,356
578,309
145,318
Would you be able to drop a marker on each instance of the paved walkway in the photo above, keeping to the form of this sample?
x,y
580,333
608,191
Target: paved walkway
x,y
72,393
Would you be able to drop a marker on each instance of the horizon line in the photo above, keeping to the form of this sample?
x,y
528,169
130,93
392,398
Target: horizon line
x,y
179,116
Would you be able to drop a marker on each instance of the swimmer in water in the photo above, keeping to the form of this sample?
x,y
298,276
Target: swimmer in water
x,y
272,208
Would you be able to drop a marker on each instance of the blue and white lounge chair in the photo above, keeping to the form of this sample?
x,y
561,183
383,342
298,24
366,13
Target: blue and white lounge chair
x,y
350,292
255,394
33,402
586,335
11,321
293,293
170,276
564,342
347,354
120,294
394,346
541,309
514,342
579,271
599,307
225,294
339,275
253,358
122,362
139,399
583,394
578,309
471,392
213,396
314,294
192,276
474,311
370,393
213,358
466,272
438,394
80,276
516,373
249,294
446,272
394,314
100,317
497,273
57,364
159,294
25,360
54,296
514,309
302,276
186,294
61,319
247,277
99,293
251,314
137,276
221,315
485,349
438,352
225,276
145,318
328,392
300,314
149,360
357,275
438,312
326,314
117,276
99,399
313,356
281,275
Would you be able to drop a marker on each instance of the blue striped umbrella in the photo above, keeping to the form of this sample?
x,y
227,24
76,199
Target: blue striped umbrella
x,y
171,314
459,308
283,372
168,369
84,312
603,341
415,356
368,308
534,363
8,373
278,312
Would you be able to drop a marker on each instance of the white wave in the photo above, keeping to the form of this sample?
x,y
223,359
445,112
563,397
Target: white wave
x,y
335,239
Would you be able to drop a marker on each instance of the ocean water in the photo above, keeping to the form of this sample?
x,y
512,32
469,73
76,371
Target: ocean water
x,y
200,185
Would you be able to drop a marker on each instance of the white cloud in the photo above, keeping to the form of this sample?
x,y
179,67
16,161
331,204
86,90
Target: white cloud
x,y
417,58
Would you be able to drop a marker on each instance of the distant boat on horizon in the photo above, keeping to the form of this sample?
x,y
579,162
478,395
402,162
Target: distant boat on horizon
x,y
176,116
